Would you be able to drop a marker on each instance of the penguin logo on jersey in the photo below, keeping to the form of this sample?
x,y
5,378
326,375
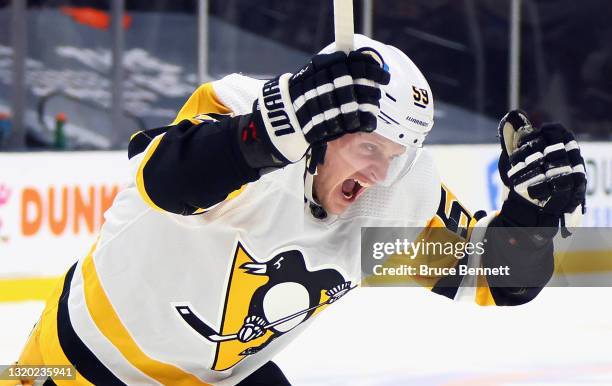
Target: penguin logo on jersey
x,y
264,300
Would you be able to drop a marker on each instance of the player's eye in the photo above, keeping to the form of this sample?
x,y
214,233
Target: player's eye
x,y
369,147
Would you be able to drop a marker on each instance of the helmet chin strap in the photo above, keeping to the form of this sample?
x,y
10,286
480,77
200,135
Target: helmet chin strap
x,y
314,157
316,209
309,187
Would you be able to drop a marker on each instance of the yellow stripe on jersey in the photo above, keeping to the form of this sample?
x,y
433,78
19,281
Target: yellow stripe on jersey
x,y
109,324
583,262
135,134
203,101
23,289
140,184
43,346
235,193
484,297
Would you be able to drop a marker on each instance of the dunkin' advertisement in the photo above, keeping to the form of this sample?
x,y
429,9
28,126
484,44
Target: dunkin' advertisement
x,y
52,206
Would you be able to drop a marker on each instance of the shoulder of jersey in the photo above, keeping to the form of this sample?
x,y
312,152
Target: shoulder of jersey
x,y
238,92
424,182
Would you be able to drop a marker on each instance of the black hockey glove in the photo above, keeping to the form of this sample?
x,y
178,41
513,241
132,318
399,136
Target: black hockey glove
x,y
332,95
543,169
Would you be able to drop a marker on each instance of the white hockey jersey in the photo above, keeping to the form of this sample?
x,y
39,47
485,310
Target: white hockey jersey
x,y
160,298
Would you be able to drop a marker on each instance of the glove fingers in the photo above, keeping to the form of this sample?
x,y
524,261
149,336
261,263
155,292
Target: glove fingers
x,y
528,137
304,100
578,171
369,107
527,171
530,144
555,154
558,171
578,193
364,66
332,120
367,75
561,188
540,191
572,149
337,94
328,60
345,96
311,120
377,74
545,167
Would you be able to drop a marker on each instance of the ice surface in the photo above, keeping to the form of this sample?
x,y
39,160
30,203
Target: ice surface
x,y
409,336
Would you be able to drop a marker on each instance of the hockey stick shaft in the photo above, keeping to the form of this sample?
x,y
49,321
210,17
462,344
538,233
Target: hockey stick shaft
x,y
344,27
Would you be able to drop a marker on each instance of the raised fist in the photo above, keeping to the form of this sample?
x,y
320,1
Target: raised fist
x,y
332,95
543,169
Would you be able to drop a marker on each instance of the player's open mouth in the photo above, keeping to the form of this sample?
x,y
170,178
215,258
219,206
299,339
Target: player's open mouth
x,y
352,188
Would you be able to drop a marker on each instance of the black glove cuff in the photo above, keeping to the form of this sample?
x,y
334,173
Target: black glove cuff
x,y
255,144
529,258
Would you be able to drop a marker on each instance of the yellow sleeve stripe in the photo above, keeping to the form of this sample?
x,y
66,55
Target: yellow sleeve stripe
x,y
235,193
109,324
203,101
484,297
140,184
135,134
44,341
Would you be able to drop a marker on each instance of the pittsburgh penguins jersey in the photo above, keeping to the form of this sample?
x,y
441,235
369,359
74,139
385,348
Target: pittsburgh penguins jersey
x,y
210,295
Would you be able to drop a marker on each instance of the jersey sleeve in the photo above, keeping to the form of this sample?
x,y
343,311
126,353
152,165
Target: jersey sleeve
x,y
455,242
496,247
193,164
203,102
439,246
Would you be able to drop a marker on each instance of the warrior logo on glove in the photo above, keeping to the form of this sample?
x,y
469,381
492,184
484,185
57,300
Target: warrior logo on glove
x,y
544,171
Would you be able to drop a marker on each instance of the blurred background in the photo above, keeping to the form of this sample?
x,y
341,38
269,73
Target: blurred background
x,y
108,68
78,77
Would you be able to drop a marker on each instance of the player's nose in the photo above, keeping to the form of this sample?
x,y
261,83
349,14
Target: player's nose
x,y
378,170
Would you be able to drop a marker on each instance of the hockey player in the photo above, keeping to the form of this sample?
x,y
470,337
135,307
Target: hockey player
x,y
243,221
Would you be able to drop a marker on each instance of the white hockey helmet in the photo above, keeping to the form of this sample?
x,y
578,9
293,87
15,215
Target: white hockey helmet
x,y
406,106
